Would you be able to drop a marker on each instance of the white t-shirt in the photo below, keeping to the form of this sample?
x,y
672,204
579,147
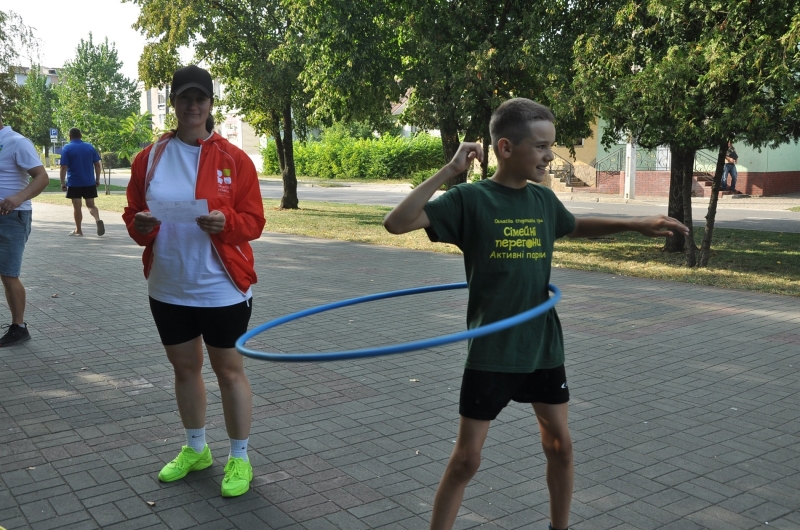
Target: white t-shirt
x,y
17,157
186,269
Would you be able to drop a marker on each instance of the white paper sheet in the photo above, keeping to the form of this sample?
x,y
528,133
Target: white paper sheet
x,y
178,211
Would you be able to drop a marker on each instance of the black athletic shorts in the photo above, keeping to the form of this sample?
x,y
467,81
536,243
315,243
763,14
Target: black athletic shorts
x,y
220,327
485,394
81,192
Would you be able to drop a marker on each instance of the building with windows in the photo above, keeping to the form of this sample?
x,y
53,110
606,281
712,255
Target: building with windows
x,y
21,74
599,169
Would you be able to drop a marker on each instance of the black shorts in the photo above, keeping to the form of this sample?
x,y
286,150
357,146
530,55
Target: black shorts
x,y
485,394
81,192
220,327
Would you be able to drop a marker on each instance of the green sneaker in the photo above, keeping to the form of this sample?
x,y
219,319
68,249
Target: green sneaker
x,y
238,474
187,460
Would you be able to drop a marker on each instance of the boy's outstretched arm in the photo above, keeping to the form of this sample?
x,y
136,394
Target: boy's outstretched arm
x,y
656,226
409,214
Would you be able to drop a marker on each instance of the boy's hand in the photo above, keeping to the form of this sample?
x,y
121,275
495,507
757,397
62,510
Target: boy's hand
x,y
467,152
660,226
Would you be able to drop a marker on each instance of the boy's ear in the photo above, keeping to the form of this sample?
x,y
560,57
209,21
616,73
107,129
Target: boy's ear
x,y
504,148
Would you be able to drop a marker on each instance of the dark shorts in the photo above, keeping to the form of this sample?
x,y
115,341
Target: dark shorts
x,y
219,326
81,192
485,394
15,228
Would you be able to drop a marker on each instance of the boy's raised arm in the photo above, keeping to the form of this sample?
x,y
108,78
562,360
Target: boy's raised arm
x,y
409,214
656,226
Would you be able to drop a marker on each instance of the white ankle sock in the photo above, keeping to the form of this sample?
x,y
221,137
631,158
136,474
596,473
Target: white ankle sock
x,y
239,448
196,439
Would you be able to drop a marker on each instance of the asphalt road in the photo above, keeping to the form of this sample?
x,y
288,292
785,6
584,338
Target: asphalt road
x,y
742,219
750,218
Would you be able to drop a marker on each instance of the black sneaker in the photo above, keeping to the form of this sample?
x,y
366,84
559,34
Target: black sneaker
x,y
15,335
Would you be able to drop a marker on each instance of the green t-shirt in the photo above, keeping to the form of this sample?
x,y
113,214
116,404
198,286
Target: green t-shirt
x,y
507,237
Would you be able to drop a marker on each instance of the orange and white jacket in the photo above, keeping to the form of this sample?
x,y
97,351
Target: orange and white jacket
x,y
227,179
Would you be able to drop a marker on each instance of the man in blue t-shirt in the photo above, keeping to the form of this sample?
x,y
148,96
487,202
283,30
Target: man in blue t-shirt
x,y
78,161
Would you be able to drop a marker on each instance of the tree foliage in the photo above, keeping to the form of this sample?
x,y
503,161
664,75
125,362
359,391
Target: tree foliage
x,y
93,94
245,44
456,60
691,74
16,39
36,103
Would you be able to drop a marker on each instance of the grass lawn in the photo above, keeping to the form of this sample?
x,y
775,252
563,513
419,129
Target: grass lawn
x,y
55,186
795,209
767,262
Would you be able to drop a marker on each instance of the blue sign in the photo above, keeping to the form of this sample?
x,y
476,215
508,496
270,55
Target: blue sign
x,y
53,133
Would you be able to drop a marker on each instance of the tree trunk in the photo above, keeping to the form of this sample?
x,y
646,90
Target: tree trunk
x,y
289,200
275,128
675,242
482,130
705,246
686,167
487,147
450,143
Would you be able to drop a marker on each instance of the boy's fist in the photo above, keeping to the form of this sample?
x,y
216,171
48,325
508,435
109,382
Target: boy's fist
x,y
467,152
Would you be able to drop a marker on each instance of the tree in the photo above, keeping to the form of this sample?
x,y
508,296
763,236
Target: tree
x,y
37,100
15,39
245,44
94,95
128,136
135,132
691,74
457,60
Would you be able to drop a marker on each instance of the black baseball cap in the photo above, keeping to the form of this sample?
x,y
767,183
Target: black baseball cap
x,y
192,77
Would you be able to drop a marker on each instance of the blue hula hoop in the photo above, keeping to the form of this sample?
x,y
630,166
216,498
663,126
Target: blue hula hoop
x,y
388,350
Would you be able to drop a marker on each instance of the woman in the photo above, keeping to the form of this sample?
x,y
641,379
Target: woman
x,y
199,274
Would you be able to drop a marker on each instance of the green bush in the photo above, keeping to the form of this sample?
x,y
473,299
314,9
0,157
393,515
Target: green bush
x,y
340,155
476,175
110,160
269,156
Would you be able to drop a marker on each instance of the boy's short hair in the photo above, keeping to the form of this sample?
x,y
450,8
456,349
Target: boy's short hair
x,y
75,134
510,120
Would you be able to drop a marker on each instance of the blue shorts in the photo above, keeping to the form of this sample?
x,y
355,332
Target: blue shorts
x,y
14,231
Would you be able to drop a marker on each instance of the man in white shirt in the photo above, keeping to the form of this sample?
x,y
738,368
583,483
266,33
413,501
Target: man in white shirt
x,y
18,161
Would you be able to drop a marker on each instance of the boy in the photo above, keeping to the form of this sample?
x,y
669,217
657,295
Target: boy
x,y
506,229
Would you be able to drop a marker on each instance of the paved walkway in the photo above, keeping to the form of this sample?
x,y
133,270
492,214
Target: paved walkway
x,y
685,411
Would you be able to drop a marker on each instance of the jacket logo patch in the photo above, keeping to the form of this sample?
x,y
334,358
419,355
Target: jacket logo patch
x,y
224,182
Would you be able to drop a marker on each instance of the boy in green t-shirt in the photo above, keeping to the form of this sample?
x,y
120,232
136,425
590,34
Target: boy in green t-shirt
x,y
506,228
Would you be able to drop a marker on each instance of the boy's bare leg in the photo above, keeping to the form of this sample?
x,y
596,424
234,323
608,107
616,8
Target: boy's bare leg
x,y
463,464
557,446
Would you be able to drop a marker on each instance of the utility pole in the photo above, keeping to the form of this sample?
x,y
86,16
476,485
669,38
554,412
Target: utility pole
x,y
630,169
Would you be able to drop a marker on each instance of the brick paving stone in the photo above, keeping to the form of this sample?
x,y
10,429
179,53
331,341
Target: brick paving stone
x,y
671,430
